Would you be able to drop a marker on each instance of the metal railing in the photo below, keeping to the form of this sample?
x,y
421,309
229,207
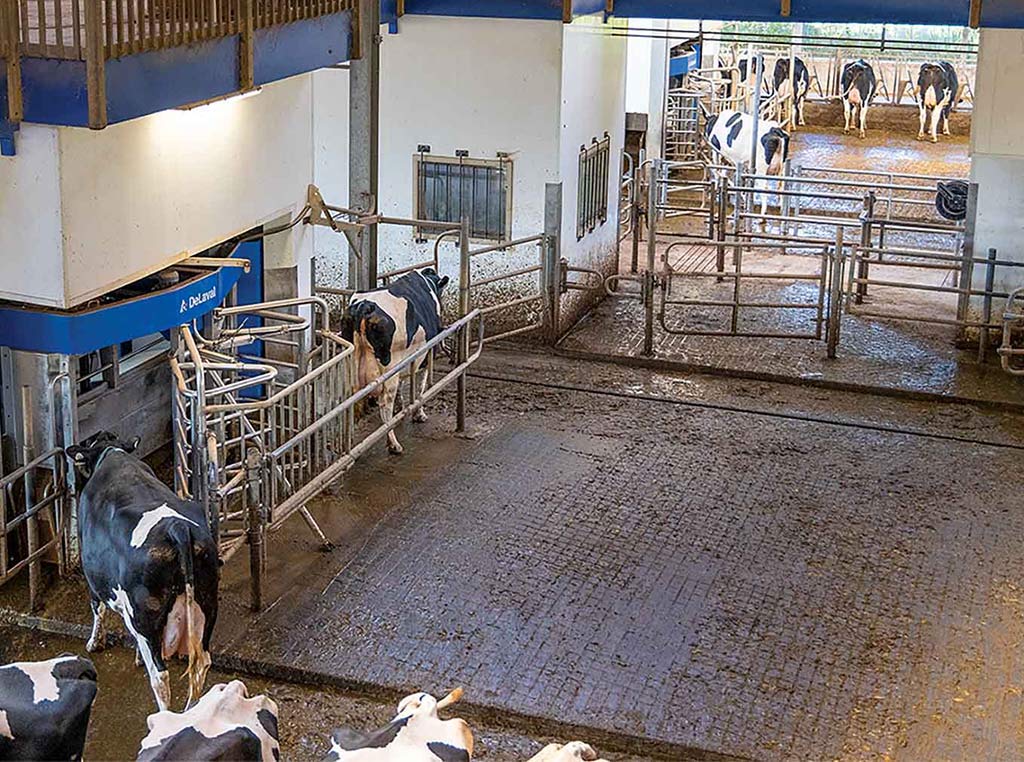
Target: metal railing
x,y
258,437
626,219
1013,321
36,496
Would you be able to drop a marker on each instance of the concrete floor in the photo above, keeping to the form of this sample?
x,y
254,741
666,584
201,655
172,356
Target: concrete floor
x,y
665,564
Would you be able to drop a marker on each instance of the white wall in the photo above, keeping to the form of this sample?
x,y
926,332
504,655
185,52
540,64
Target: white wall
x,y
139,196
593,103
483,85
997,146
330,169
31,266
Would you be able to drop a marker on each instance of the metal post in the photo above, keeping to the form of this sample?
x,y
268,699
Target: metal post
x,y
863,269
463,338
648,283
364,148
32,527
759,79
986,306
636,215
967,263
835,314
552,258
723,213
256,521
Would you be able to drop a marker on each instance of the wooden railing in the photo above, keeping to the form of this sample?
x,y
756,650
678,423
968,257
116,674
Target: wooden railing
x,y
96,31
58,28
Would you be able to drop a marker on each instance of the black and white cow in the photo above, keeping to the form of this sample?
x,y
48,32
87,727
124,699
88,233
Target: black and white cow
x,y
224,724
416,734
386,325
731,133
149,557
802,79
937,87
858,88
45,707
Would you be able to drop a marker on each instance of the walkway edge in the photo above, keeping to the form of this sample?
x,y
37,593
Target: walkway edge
x,y
654,363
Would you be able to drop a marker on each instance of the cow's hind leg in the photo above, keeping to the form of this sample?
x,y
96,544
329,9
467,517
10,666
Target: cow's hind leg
x,y
98,637
847,113
420,367
924,117
936,116
386,403
863,119
945,122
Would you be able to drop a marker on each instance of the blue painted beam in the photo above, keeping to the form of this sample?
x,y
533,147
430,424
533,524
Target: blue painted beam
x,y
289,49
995,13
508,9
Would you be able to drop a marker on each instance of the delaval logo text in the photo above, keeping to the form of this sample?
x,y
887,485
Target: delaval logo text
x,y
196,299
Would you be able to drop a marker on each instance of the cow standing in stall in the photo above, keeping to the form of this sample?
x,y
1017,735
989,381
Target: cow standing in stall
x,y
858,90
388,324
937,88
224,724
45,708
731,133
800,82
148,556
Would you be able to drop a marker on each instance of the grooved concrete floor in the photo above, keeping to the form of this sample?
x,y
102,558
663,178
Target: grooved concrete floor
x,y
752,585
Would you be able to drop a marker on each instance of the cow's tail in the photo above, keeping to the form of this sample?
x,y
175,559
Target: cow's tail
x,y
198,659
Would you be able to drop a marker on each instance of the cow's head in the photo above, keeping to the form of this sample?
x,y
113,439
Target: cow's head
x,y
776,149
436,281
87,454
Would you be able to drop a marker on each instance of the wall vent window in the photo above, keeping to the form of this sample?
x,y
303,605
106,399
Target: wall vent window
x,y
481,188
592,191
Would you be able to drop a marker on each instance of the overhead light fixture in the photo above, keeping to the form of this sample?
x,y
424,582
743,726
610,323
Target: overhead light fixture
x,y
232,98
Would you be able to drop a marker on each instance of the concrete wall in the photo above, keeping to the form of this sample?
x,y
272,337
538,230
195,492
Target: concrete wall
x,y
481,85
593,103
330,169
31,266
997,147
139,196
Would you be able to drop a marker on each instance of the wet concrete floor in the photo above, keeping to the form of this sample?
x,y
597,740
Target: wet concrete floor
x,y
759,570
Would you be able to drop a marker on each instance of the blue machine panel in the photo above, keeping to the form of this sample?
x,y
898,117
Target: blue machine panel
x,y
250,291
680,65
76,333
289,49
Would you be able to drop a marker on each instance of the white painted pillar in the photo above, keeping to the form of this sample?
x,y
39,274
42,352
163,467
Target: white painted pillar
x,y
997,149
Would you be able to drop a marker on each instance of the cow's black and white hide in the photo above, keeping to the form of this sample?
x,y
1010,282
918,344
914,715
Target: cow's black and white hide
x,y
224,725
575,751
782,84
858,90
416,734
388,324
45,707
731,134
147,556
937,87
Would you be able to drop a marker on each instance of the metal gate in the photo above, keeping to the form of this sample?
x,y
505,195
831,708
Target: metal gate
x,y
37,499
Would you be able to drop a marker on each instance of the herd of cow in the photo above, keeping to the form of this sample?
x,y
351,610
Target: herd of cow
x,y
46,707
148,556
937,91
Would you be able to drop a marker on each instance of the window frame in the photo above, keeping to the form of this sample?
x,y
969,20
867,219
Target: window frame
x,y
504,163
593,169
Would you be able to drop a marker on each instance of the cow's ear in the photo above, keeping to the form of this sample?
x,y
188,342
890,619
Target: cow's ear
x,y
76,453
133,444
443,282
